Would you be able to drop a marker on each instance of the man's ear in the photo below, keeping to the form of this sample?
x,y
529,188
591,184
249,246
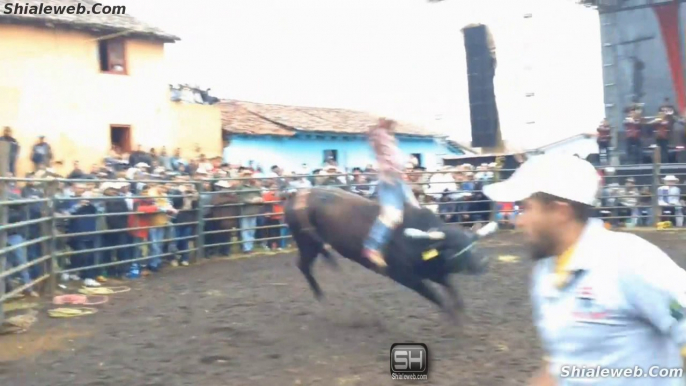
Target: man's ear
x,y
563,207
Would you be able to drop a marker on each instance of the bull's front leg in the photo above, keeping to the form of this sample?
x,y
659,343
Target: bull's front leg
x,y
415,283
456,300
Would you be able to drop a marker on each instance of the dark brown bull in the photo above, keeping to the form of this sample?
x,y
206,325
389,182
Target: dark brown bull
x,y
321,216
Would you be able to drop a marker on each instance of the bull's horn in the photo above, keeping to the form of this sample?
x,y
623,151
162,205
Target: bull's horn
x,y
488,229
420,234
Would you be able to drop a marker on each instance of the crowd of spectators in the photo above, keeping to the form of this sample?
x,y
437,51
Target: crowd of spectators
x,y
148,205
624,201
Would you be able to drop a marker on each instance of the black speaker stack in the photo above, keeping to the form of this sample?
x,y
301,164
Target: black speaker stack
x,y
480,74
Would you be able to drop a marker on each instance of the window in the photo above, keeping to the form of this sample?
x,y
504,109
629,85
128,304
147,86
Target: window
x,y
112,55
330,155
120,136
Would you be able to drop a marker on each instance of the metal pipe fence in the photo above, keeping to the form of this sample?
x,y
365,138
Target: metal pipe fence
x,y
57,229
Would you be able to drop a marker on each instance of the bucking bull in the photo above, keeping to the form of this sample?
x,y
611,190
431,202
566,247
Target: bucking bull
x,y
422,247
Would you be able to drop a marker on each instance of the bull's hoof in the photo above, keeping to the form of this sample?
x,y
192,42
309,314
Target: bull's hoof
x,y
455,318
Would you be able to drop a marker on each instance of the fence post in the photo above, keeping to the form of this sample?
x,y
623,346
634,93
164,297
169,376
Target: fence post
x,y
656,182
200,243
4,169
50,193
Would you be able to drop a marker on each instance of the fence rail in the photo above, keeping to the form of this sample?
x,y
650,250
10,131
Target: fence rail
x,y
48,234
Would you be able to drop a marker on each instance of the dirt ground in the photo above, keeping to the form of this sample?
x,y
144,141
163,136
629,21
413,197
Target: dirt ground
x,y
255,322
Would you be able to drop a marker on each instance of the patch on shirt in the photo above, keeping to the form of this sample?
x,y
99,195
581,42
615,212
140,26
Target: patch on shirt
x,y
586,306
585,293
676,310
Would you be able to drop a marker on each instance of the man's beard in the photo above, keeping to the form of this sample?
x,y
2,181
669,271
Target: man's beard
x,y
543,248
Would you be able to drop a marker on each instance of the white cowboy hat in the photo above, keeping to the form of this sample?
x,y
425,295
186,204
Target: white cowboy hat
x,y
671,178
142,165
223,184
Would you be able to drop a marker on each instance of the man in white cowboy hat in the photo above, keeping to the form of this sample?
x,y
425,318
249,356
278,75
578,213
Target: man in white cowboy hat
x,y
669,196
601,299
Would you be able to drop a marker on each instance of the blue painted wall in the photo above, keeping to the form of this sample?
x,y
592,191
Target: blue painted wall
x,y
353,151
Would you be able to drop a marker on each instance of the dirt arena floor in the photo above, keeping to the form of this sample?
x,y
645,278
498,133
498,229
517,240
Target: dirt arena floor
x,y
255,322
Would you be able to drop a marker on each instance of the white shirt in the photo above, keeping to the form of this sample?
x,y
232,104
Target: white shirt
x,y
669,195
624,307
438,183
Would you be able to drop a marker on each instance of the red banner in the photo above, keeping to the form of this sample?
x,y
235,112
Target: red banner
x,y
668,16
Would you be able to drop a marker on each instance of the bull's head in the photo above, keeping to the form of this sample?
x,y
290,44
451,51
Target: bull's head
x,y
457,246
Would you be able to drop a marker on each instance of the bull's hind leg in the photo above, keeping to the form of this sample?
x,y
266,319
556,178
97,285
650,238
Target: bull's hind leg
x,y
305,265
309,249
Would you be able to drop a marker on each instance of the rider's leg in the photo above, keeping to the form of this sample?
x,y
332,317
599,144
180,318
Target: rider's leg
x,y
391,200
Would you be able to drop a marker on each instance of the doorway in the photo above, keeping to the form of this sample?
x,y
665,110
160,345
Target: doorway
x,y
120,136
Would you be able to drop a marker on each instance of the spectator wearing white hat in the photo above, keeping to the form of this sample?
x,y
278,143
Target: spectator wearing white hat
x,y
630,196
669,199
610,299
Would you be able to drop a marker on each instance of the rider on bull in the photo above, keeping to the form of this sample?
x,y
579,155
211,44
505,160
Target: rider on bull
x,y
392,191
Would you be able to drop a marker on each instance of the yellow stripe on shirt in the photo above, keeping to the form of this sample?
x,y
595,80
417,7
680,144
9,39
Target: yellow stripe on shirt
x,y
561,273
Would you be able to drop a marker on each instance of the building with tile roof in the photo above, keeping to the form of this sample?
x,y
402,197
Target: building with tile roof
x,y
290,136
